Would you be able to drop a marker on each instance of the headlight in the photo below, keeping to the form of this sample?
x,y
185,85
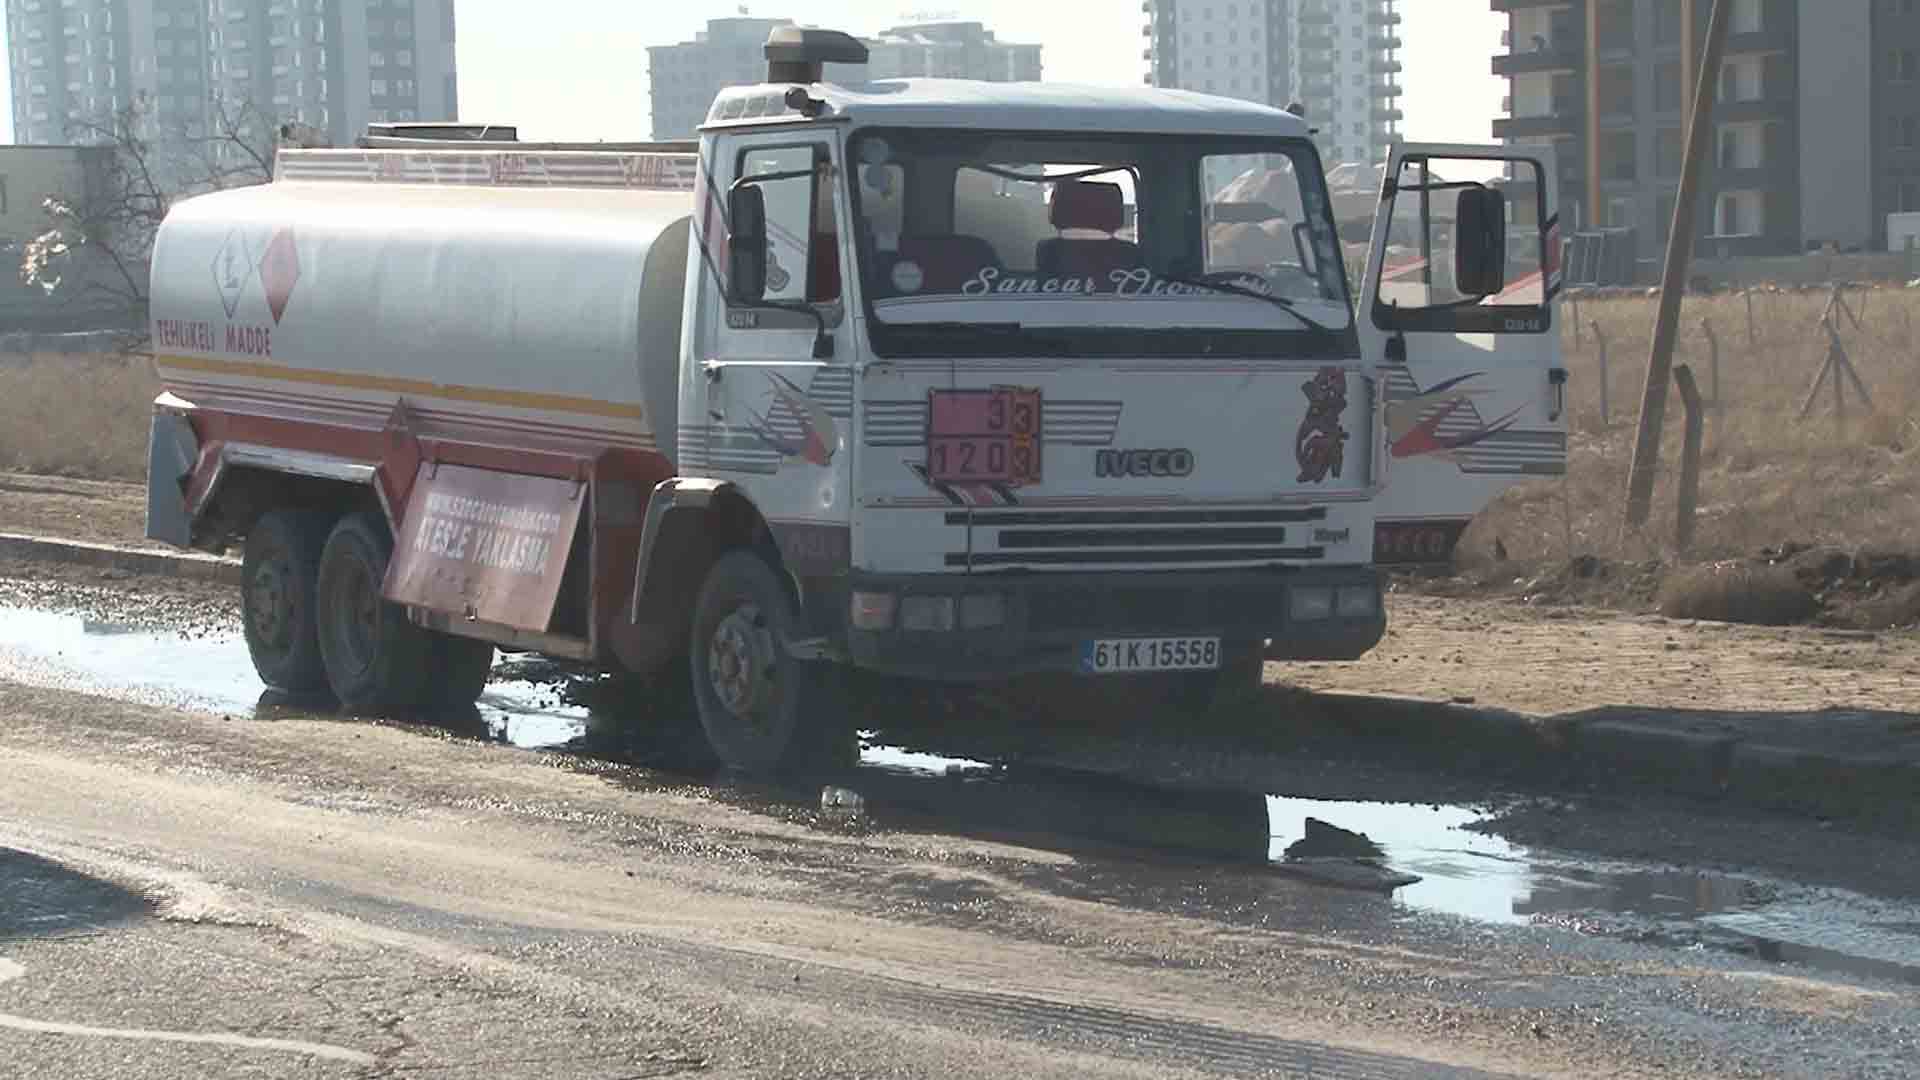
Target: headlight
x,y
1356,602
926,613
873,610
1309,603
983,611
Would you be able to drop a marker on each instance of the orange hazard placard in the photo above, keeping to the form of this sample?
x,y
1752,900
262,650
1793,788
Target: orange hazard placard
x,y
485,545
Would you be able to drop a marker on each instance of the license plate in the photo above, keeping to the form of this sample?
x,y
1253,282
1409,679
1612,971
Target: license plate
x,y
1119,656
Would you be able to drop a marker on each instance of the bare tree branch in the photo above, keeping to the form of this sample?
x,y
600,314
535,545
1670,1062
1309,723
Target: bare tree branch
x,y
113,227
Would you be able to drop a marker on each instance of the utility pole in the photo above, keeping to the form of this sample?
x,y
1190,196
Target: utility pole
x,y
1653,402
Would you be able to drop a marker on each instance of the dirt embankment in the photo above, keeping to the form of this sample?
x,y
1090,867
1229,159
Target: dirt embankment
x,y
1790,585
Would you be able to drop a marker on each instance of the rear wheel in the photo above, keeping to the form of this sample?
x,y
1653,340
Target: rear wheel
x,y
376,660
279,575
764,712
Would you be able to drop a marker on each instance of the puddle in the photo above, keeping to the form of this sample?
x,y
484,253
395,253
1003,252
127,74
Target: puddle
x,y
1484,878
211,672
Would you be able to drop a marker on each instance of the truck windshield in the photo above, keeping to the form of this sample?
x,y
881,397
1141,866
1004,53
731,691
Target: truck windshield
x,y
985,242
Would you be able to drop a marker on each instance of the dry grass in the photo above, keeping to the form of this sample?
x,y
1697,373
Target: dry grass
x,y
1732,592
1768,478
76,416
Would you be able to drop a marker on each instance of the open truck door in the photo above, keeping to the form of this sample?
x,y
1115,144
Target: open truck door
x,y
1457,307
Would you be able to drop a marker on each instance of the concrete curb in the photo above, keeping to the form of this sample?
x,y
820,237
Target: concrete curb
x,y
178,564
1671,751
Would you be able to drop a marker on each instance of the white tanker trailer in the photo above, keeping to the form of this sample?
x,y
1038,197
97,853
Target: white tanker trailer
x,y
934,378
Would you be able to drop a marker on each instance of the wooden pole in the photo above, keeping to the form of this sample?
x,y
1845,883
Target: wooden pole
x,y
1713,361
1653,401
1606,410
1753,339
1689,458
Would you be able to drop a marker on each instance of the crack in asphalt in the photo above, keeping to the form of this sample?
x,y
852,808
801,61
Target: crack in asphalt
x,y
11,970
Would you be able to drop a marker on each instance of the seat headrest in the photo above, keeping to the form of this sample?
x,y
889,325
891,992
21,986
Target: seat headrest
x,y
1081,204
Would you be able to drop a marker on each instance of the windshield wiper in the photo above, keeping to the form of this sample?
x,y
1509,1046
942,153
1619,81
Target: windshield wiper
x,y
1275,299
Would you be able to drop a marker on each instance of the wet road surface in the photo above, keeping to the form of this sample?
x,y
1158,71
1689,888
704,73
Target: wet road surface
x,y
458,899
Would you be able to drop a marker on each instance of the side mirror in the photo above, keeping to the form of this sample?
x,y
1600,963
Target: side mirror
x,y
1480,242
746,243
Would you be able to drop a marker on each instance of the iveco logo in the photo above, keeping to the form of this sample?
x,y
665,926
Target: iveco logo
x,y
1143,463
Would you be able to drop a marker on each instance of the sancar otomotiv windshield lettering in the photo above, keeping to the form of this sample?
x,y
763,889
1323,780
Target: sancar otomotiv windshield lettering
x,y
934,378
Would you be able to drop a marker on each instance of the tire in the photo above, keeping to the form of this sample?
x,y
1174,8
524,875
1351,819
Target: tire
x,y
376,660
765,713
457,672
278,578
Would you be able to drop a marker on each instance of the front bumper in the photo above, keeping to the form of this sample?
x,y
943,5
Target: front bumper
x,y
1050,618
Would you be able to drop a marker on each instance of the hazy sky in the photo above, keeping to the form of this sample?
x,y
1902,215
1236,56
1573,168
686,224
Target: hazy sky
x,y
577,69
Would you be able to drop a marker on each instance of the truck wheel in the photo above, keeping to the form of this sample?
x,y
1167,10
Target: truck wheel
x,y
278,576
764,712
457,671
376,659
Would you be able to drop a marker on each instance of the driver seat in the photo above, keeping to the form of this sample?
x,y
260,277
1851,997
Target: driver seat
x,y
1090,207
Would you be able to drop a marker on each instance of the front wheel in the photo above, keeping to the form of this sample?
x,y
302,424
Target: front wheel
x,y
764,712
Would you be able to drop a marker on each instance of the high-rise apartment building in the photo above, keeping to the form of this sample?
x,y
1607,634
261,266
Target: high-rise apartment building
x,y
332,64
950,50
1816,130
684,78
1337,58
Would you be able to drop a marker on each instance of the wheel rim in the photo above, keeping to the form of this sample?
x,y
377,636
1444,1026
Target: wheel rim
x,y
359,624
741,665
271,600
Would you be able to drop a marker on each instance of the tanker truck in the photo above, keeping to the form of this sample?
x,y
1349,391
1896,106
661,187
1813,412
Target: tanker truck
x,y
931,378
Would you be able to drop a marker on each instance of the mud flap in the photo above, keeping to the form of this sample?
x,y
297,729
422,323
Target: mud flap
x,y
485,546
172,450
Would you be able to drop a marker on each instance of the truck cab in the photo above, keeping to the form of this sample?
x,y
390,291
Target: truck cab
x,y
1016,390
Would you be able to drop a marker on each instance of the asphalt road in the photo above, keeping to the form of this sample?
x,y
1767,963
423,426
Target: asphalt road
x,y
197,893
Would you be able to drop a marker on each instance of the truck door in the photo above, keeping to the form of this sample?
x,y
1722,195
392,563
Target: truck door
x,y
779,380
1475,387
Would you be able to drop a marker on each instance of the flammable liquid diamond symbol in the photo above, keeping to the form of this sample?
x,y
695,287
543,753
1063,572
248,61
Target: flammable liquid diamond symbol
x,y
280,271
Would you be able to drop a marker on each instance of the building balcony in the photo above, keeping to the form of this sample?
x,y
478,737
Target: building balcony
x,y
1315,41
1385,67
1383,18
1314,17
1772,39
1755,178
1534,127
1311,65
1386,90
1537,61
1385,42
1755,109
1388,116
1318,87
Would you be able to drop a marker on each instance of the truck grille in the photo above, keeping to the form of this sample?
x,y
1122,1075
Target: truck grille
x,y
1171,609
1004,539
